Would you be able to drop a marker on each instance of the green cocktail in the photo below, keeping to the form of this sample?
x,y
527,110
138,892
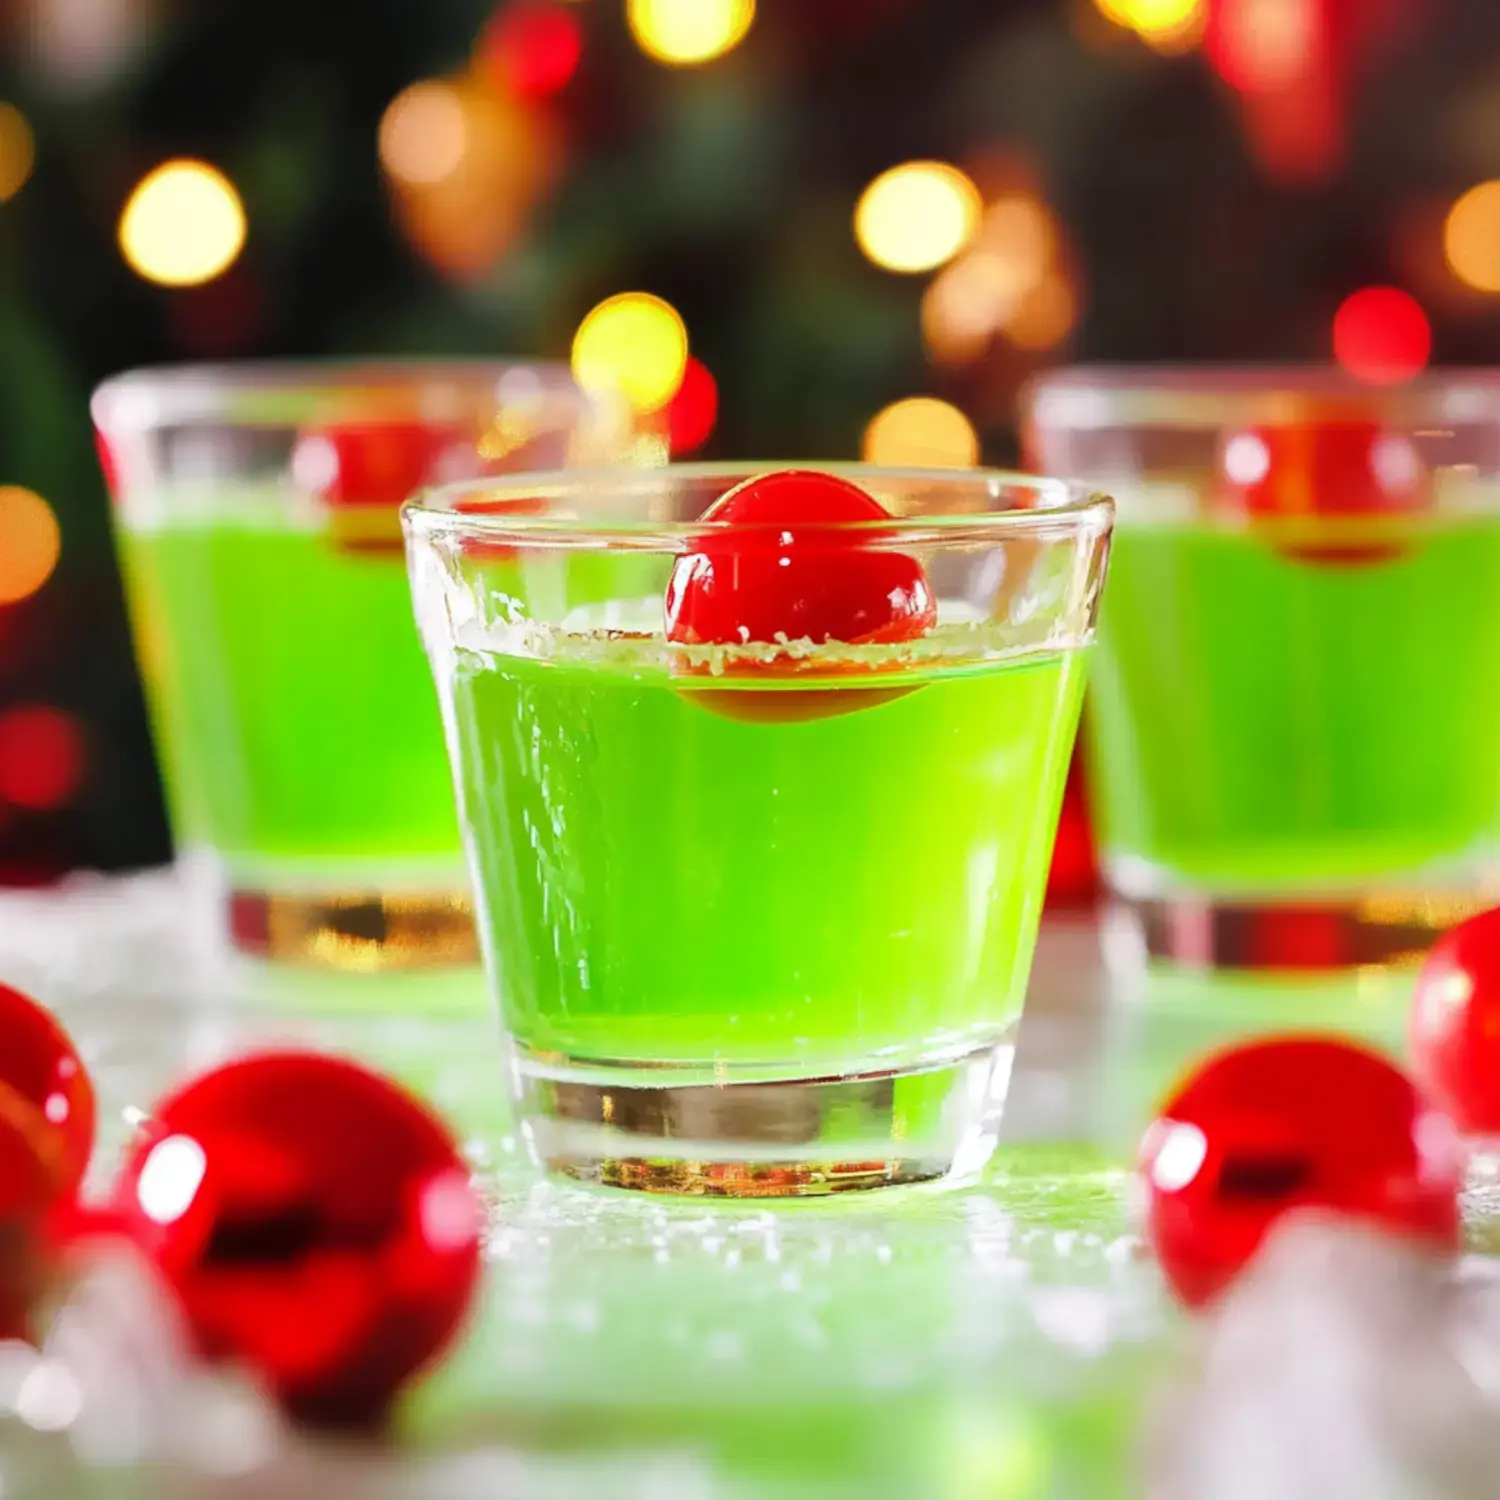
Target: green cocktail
x,y
759,914
1293,723
293,704
667,884
300,739
1326,727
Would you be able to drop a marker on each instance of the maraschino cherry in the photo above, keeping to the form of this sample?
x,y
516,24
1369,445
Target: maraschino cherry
x,y
363,470
1455,1024
792,570
316,1223
1340,471
1291,1123
380,463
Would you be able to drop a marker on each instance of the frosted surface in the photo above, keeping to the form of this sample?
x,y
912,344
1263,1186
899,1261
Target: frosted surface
x,y
992,1343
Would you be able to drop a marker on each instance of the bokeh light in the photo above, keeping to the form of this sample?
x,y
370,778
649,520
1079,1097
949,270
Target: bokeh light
x,y
184,224
1381,335
1262,46
684,33
423,133
1471,238
534,46
992,285
632,343
1045,316
967,304
917,216
17,151
692,412
30,543
1020,229
1158,21
467,163
922,432
41,757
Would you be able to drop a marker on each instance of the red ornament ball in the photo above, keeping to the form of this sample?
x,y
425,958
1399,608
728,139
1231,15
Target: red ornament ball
x,y
1327,476
1291,1123
317,1224
793,569
1455,1024
46,1108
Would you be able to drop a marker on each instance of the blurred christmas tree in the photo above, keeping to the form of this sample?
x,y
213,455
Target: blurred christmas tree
x,y
1134,179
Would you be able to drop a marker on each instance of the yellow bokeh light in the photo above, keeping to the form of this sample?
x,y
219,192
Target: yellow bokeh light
x,y
684,33
183,225
917,216
1157,20
632,343
1471,238
424,133
922,433
30,543
17,151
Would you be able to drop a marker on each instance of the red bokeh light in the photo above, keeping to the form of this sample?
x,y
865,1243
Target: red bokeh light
x,y
1382,335
692,412
41,757
219,317
534,46
1074,877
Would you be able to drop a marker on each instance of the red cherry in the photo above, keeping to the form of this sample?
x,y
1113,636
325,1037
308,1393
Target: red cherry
x,y
1455,1024
316,1222
796,572
1283,1124
47,1101
1335,470
363,470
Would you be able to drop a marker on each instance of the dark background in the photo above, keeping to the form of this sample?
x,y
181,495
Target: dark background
x,y
1216,194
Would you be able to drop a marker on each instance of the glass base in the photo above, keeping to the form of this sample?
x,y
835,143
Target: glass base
x,y
1308,936
629,1127
361,932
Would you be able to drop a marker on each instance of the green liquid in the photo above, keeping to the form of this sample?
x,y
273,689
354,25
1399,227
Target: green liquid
x,y
293,706
663,882
1268,723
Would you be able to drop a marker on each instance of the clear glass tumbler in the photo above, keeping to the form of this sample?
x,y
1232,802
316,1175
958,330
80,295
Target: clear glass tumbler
x,y
1293,727
758,898
257,516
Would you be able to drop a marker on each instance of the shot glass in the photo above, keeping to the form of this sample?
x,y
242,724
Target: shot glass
x,y
758,892
301,747
1294,723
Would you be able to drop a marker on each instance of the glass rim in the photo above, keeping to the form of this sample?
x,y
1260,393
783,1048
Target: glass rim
x,y
1068,505
1210,396
178,395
